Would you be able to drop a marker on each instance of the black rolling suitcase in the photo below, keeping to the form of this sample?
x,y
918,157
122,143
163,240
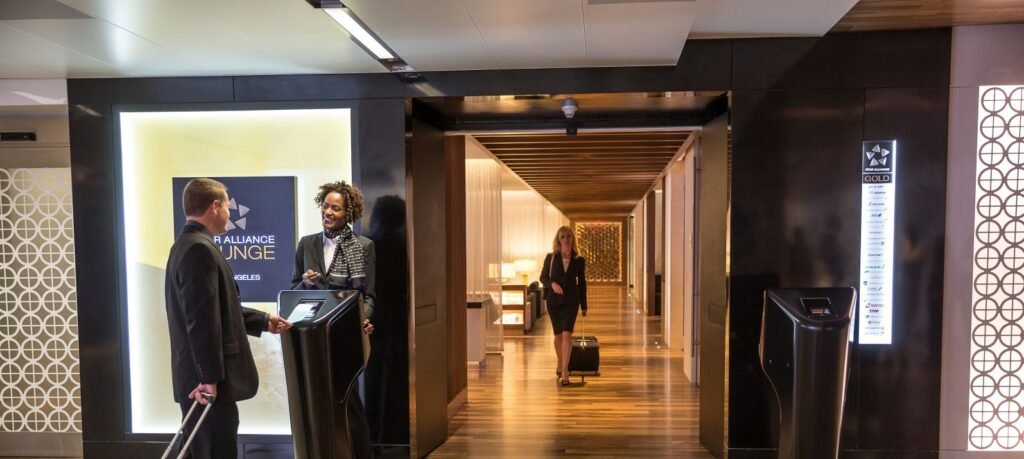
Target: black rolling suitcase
x,y
585,357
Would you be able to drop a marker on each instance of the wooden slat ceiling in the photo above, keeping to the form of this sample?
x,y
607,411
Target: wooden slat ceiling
x,y
924,14
588,175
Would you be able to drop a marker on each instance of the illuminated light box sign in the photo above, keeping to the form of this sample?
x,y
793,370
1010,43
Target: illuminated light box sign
x,y
260,242
878,211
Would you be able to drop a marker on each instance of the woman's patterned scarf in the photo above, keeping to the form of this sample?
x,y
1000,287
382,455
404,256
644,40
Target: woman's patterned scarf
x,y
346,270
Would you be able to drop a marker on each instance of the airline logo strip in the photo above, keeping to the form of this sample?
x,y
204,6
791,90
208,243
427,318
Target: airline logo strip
x,y
878,211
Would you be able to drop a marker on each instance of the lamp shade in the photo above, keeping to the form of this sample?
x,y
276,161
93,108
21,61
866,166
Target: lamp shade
x,y
508,270
526,265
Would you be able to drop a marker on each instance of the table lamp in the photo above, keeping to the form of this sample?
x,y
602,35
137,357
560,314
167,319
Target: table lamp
x,y
525,267
508,271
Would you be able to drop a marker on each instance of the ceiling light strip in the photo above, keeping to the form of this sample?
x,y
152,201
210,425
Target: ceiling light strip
x,y
344,18
364,37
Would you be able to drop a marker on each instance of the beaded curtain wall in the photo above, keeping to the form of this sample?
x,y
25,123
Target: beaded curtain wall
x,y
39,382
997,327
601,244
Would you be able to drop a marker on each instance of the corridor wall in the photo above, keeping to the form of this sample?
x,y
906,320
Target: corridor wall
x,y
528,225
982,308
378,168
483,221
801,108
40,401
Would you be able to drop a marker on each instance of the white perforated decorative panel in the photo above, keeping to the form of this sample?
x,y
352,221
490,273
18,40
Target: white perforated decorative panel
x,y
39,384
997,366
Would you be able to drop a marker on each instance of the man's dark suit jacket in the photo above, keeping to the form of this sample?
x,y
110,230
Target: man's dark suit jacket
x,y
309,254
573,281
207,321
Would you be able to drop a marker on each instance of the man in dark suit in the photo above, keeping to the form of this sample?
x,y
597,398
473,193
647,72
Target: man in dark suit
x,y
208,324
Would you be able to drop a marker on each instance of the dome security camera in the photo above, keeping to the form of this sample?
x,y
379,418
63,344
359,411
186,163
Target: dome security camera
x,y
569,107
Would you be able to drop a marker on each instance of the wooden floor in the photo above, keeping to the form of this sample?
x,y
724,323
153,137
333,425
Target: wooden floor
x,y
640,406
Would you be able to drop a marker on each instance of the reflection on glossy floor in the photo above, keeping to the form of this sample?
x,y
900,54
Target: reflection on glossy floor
x,y
640,406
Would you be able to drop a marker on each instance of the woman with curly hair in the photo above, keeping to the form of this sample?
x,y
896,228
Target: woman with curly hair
x,y
565,283
338,259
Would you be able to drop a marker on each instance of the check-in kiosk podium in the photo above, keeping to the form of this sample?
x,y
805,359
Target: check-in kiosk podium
x,y
804,349
324,353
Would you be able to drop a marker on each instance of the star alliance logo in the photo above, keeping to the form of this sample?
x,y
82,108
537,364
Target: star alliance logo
x,y
879,156
242,210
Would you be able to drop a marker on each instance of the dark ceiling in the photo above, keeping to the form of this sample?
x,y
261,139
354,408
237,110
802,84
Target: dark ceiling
x,y
588,175
596,111
623,141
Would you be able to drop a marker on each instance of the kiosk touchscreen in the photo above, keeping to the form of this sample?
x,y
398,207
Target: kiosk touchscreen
x,y
324,353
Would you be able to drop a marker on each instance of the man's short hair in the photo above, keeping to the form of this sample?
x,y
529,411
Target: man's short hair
x,y
200,193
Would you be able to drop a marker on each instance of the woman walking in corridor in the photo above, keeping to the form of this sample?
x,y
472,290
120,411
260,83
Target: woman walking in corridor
x,y
565,287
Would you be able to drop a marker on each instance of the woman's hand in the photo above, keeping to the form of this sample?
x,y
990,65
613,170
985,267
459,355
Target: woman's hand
x,y
557,288
310,278
367,327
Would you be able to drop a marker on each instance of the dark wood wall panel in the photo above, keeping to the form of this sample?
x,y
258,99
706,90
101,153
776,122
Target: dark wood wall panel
x,y
429,323
711,261
99,319
378,169
152,90
899,393
917,59
792,174
455,262
797,133
317,87
649,253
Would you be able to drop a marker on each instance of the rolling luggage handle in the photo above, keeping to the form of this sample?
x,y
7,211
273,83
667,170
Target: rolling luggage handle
x,y
184,449
583,344
583,331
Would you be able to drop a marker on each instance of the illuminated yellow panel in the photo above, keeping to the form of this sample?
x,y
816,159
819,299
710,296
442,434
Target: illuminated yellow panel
x,y
312,145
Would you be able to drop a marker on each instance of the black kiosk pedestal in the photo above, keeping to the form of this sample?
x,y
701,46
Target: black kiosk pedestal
x,y
804,350
323,355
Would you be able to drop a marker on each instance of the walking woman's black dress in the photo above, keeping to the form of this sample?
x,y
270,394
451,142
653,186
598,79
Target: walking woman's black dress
x,y
562,309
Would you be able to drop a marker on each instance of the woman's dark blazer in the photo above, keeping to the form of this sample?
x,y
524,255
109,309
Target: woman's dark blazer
x,y
573,281
309,254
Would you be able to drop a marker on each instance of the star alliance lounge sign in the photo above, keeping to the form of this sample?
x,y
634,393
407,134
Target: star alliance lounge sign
x,y
260,242
878,212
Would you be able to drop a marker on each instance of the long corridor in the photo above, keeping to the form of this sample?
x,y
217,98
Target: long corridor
x,y
640,406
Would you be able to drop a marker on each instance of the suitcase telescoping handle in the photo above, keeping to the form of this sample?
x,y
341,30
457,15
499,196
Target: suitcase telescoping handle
x,y
184,449
583,332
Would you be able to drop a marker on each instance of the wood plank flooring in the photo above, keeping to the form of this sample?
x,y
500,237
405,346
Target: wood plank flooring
x,y
640,406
